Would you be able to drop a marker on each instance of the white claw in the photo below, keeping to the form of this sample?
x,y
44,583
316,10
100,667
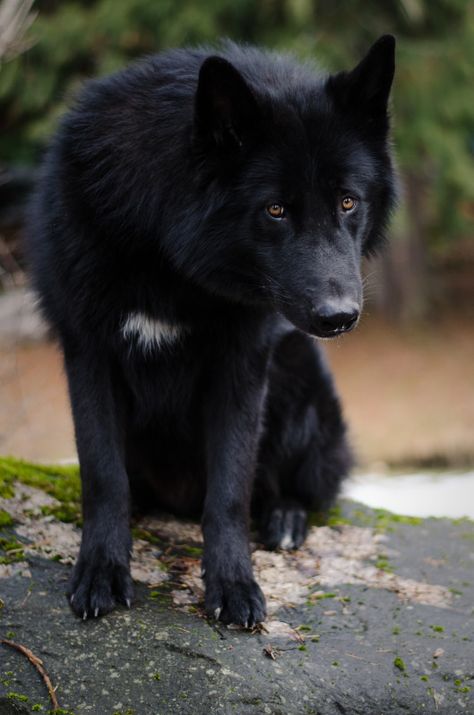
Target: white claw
x,y
72,598
217,613
84,616
128,603
96,613
246,624
203,573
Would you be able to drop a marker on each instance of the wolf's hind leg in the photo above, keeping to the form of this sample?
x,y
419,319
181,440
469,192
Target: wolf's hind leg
x,y
304,455
285,507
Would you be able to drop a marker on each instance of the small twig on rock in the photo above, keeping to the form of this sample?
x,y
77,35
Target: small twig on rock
x,y
38,663
259,628
271,652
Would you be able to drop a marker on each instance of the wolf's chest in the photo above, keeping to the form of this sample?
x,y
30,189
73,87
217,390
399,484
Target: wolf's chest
x,y
150,334
162,364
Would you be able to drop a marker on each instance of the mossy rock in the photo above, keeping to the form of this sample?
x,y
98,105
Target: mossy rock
x,y
61,482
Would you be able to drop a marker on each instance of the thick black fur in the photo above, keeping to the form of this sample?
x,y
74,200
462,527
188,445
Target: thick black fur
x,y
154,201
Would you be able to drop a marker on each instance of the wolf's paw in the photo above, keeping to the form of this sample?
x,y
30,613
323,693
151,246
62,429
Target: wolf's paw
x,y
97,585
238,602
285,527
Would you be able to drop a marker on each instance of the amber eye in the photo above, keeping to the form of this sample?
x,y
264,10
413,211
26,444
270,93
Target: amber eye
x,y
276,210
348,203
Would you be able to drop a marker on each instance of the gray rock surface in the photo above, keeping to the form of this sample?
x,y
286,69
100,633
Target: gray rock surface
x,y
397,637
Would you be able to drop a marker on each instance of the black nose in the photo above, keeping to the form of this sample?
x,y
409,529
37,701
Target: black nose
x,y
331,319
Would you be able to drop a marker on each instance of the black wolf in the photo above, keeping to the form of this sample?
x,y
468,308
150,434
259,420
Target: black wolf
x,y
200,216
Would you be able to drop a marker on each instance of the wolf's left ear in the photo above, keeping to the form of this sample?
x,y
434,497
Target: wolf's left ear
x,y
366,89
226,111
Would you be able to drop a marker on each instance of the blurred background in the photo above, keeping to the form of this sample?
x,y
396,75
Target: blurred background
x,y
407,374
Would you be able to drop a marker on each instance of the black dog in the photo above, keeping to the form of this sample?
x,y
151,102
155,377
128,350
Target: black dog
x,y
199,216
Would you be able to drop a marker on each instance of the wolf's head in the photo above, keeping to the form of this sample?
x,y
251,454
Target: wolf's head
x,y
295,182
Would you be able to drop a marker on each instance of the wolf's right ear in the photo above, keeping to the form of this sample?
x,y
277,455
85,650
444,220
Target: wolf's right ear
x,y
365,90
226,111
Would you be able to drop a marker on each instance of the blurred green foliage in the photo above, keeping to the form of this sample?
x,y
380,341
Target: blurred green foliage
x,y
433,96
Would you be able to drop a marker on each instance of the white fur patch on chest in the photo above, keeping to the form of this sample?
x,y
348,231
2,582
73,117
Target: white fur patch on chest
x,y
151,333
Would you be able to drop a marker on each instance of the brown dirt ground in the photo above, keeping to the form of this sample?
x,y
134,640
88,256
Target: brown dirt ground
x,y
408,395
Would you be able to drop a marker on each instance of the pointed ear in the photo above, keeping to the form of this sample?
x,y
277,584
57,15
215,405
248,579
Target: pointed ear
x,y
366,89
226,111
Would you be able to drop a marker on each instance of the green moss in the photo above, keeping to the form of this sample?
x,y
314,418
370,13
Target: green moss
x,y
17,696
10,544
156,676
317,518
145,535
322,596
37,707
346,513
333,517
396,630
362,518
400,664
5,519
335,663
60,482
302,647
69,512
193,551
380,519
6,489
424,678
383,564
462,521
400,518
303,627
385,519
12,551
437,629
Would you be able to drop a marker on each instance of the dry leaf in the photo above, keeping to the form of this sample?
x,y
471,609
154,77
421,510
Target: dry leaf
x,y
271,652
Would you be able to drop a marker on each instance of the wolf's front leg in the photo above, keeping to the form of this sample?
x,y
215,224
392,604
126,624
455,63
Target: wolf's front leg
x,y
233,430
101,576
